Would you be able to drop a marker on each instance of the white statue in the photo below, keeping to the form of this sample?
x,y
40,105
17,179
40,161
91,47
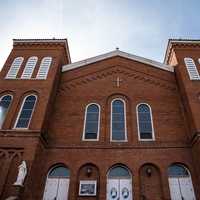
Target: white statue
x,y
22,172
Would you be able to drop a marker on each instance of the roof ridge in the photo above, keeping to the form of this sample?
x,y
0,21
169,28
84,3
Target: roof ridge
x,y
117,53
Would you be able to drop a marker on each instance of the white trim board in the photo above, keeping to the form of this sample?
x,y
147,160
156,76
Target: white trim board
x,y
117,53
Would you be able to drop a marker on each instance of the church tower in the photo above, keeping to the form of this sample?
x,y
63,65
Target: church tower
x,y
184,55
33,64
28,80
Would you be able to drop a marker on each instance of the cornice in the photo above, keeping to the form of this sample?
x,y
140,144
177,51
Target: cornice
x,y
185,43
119,53
46,42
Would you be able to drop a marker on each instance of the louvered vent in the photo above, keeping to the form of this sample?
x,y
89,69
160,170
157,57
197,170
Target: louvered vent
x,y
29,68
13,71
44,68
192,69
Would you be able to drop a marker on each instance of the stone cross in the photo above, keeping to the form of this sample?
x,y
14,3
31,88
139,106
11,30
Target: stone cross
x,y
118,81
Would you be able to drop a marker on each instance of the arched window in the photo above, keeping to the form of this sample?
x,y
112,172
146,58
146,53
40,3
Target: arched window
x,y
119,172
180,183
119,183
192,69
29,68
145,122
13,71
5,103
92,122
44,68
177,171
118,120
26,111
57,183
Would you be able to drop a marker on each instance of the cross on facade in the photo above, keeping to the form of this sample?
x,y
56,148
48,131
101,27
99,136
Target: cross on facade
x,y
118,81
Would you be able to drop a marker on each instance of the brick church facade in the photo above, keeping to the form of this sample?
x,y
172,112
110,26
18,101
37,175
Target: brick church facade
x,y
116,126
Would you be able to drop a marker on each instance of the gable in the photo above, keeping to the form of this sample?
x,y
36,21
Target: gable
x,y
121,54
107,71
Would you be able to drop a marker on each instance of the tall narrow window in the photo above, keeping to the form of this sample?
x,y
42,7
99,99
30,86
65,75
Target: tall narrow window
x,y
5,102
192,69
13,71
25,114
118,120
29,68
44,68
92,121
145,123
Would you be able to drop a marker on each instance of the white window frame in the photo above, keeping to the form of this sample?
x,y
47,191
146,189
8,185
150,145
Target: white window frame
x,y
138,127
32,69
19,113
84,126
47,69
11,68
194,68
8,106
125,124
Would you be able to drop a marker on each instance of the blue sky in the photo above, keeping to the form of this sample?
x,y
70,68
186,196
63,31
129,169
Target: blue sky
x,y
93,27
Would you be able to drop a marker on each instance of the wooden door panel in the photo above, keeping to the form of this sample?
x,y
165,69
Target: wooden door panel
x,y
113,189
125,189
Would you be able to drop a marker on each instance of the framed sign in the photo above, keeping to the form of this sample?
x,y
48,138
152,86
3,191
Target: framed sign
x,y
88,188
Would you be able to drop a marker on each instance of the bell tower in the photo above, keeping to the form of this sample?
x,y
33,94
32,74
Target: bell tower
x,y
184,55
33,67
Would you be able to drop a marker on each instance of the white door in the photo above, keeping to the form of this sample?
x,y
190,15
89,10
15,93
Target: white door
x,y
56,189
181,188
113,189
125,189
119,189
187,188
50,189
174,187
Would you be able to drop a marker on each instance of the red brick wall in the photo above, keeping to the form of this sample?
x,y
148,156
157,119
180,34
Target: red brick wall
x,y
55,134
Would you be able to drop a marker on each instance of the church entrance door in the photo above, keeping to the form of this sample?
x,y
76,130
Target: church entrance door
x,y
57,184
180,183
56,189
119,184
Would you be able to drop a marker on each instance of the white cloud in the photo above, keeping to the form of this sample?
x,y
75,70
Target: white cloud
x,y
93,27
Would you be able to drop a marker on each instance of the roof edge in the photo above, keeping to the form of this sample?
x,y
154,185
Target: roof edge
x,y
16,41
117,53
170,43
